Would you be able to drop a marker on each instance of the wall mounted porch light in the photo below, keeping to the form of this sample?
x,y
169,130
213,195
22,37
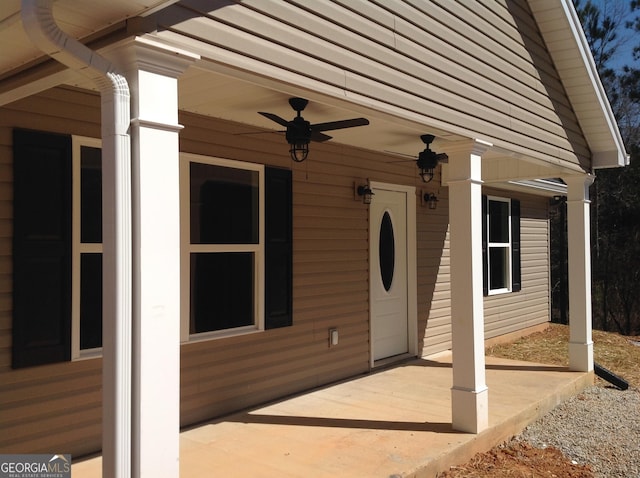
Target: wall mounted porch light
x,y
364,192
431,200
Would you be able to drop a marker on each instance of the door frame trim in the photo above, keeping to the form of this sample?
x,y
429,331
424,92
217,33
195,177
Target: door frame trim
x,y
412,269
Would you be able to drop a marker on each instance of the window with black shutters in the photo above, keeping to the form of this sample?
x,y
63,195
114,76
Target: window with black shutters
x,y
236,258
57,248
501,245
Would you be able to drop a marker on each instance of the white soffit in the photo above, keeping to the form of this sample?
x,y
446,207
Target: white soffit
x,y
561,29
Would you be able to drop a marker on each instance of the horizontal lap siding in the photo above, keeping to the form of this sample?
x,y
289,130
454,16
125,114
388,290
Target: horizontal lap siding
x,y
480,67
50,407
217,376
330,283
506,313
434,276
503,313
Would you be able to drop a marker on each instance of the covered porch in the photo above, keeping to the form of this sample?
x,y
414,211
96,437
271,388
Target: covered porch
x,y
398,421
394,422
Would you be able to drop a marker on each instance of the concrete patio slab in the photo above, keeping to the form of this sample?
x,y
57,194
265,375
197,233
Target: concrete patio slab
x,y
394,422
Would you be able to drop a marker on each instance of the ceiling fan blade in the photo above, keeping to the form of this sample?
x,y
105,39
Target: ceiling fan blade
x,y
396,153
442,158
331,125
319,137
276,118
259,132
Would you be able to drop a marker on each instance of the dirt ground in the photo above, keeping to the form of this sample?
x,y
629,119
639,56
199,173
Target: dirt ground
x,y
520,460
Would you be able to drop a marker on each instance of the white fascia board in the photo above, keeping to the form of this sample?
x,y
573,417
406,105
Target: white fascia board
x,y
620,158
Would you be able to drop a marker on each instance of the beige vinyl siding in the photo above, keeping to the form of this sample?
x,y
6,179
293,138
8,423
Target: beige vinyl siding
x,y
503,313
434,277
50,407
330,284
218,376
480,69
331,274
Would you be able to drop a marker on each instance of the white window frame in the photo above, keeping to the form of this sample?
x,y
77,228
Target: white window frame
x,y
186,248
78,248
501,245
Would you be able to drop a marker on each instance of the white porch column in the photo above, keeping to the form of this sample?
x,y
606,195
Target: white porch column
x,y
469,395
579,241
152,70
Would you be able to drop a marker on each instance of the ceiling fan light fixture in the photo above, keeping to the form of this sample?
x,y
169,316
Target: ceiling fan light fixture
x,y
298,136
427,163
299,151
299,132
428,160
426,174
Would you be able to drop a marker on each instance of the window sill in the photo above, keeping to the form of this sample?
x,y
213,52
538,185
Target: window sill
x,y
499,292
88,354
222,334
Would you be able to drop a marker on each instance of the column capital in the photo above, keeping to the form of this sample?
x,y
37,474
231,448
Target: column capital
x,y
465,161
148,54
578,186
476,147
152,69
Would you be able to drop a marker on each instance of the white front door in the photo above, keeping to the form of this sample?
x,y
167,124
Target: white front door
x,y
388,273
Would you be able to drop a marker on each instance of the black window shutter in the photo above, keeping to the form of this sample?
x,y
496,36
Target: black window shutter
x,y
485,260
41,248
516,280
278,248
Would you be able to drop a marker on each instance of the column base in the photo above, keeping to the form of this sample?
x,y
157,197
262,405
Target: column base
x,y
581,357
470,410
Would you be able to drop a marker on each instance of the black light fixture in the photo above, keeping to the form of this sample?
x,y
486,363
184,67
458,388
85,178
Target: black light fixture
x,y
299,132
298,136
366,193
426,173
428,160
299,151
431,200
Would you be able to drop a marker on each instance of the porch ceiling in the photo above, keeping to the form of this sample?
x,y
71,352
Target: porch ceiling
x,y
210,93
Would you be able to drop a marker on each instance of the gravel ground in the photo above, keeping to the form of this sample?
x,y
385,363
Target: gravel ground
x,y
599,427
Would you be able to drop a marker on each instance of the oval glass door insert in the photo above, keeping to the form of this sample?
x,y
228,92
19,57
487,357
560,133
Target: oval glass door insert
x,y
386,251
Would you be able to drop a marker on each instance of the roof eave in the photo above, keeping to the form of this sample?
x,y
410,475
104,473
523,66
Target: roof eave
x,y
614,154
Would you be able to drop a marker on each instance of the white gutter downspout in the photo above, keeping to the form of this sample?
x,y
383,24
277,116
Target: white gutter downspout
x,y
40,26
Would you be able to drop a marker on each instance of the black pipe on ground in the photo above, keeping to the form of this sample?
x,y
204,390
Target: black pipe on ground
x,y
610,377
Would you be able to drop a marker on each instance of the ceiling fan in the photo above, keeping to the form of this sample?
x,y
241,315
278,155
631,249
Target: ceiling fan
x,y
428,160
299,132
